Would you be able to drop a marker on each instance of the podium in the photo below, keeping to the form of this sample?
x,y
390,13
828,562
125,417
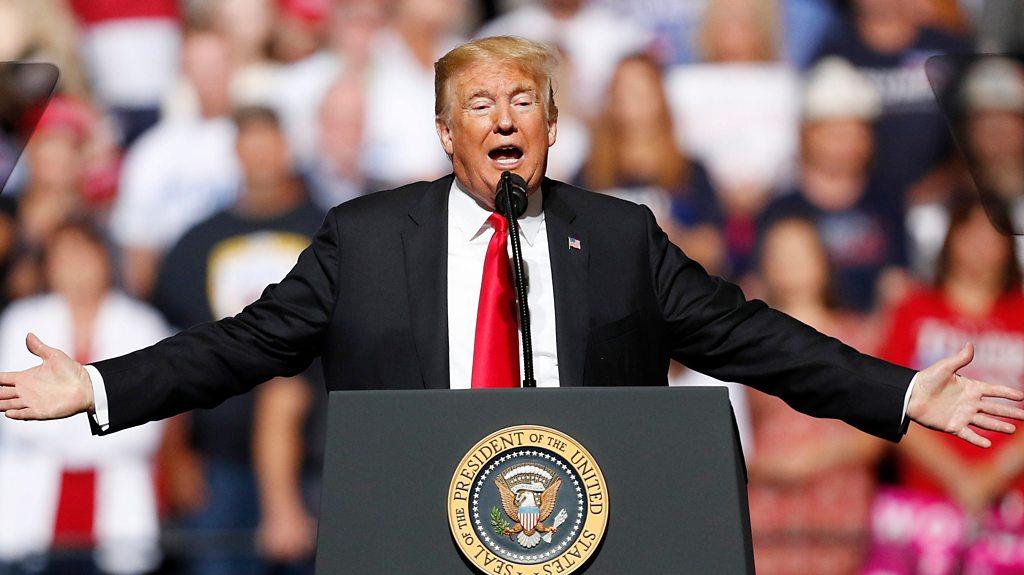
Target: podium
x,y
400,465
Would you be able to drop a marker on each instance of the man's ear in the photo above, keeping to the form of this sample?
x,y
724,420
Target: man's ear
x,y
552,132
444,132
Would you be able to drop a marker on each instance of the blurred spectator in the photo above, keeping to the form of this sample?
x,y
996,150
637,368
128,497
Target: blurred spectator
x,y
55,188
573,26
977,298
306,72
833,188
634,156
353,25
336,174
811,480
738,114
89,499
43,31
131,50
401,143
302,85
994,127
182,170
993,95
217,268
888,42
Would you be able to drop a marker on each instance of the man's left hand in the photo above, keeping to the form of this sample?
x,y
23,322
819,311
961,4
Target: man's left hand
x,y
946,401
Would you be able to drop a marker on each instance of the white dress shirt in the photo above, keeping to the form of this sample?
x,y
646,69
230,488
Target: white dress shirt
x,y
468,237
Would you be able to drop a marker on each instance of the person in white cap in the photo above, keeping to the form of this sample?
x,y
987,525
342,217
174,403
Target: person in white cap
x,y
993,131
834,188
993,97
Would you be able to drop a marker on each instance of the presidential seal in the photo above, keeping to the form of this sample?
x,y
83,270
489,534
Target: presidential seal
x,y
528,500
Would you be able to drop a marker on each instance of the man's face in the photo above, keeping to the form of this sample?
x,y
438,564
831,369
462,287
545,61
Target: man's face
x,y
262,153
497,123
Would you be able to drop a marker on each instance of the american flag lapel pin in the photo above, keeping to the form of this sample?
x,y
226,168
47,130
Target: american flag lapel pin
x,y
574,244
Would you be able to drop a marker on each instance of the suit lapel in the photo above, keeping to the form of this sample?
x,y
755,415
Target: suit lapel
x,y
569,268
425,245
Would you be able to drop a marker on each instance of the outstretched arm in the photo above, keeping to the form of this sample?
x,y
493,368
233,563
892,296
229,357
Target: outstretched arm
x,y
713,328
278,335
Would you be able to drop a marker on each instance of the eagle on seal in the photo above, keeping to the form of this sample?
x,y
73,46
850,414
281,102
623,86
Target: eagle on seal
x,y
528,509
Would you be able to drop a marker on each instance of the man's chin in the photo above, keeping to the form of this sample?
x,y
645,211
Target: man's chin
x,y
524,172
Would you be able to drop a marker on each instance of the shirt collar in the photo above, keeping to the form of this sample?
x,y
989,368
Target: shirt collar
x,y
469,218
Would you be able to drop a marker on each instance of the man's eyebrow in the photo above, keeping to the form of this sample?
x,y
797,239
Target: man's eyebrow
x,y
516,90
523,89
481,93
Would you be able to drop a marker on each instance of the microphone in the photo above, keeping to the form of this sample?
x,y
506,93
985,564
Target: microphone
x,y
510,200
511,186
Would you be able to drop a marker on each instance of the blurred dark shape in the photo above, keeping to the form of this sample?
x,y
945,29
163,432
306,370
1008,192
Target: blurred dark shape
x,y
25,91
982,99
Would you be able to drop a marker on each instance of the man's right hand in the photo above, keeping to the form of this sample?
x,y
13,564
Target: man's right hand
x,y
58,388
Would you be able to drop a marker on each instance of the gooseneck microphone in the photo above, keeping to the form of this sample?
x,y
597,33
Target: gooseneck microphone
x,y
510,201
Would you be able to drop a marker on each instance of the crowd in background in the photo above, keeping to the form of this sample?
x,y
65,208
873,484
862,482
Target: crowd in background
x,y
792,146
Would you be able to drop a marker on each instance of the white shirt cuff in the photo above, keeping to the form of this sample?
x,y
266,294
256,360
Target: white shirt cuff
x,y
101,415
906,399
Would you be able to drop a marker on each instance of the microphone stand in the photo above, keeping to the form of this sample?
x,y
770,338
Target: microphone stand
x,y
508,210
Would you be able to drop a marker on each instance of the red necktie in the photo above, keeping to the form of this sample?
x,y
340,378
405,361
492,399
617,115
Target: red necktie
x,y
496,348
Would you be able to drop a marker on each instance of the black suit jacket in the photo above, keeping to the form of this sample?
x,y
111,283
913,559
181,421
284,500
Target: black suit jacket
x,y
369,295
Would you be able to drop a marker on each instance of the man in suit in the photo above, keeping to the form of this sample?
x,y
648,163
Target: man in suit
x,y
391,295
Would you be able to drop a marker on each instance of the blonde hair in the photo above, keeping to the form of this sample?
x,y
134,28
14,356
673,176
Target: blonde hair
x,y
605,167
535,59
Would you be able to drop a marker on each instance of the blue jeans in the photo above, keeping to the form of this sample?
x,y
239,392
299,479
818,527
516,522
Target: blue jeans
x,y
224,527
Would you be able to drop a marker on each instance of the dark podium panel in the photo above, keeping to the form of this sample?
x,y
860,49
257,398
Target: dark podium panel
x,y
670,456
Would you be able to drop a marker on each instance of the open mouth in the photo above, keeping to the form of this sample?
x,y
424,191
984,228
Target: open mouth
x,y
506,157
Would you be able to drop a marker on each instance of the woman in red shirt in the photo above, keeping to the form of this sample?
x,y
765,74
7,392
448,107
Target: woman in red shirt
x,y
959,508
977,297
